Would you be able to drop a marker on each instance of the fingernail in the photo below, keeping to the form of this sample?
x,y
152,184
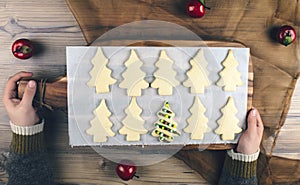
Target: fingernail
x,y
31,84
253,112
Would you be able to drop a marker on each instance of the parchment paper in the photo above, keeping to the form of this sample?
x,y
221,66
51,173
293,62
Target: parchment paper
x,y
82,100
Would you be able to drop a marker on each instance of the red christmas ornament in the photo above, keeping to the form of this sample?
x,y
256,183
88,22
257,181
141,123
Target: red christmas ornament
x,y
196,8
22,48
286,35
126,170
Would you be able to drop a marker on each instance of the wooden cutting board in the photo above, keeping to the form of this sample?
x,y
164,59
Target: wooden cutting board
x,y
248,23
55,92
63,90
184,43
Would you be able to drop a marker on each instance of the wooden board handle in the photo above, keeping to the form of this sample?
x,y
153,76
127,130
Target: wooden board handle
x,y
51,94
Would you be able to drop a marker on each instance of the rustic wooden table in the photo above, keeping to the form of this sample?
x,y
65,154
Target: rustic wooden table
x,y
53,27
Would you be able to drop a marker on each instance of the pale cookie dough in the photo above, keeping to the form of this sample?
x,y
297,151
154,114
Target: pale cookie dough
x,y
133,76
100,74
228,123
101,125
165,75
133,124
230,77
197,122
198,74
165,126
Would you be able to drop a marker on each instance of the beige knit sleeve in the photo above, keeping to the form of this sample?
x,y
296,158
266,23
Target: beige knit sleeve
x,y
27,139
27,130
243,157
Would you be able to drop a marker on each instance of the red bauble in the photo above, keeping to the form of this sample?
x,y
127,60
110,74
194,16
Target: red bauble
x,y
126,170
196,8
286,35
22,48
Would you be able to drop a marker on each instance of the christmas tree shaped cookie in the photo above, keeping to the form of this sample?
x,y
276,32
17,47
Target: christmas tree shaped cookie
x,y
133,76
165,75
100,73
198,74
165,126
101,125
133,124
197,122
228,123
230,77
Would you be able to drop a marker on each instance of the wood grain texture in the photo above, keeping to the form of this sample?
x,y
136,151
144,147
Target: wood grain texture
x,y
288,144
249,22
52,27
51,93
82,165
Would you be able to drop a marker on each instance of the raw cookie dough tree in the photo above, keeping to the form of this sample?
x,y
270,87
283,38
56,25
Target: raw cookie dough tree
x,y
101,125
230,77
228,123
133,76
133,124
198,74
100,73
197,122
165,126
165,75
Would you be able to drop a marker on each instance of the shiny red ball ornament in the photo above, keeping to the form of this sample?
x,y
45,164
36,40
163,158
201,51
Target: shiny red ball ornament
x,y
196,8
286,35
126,170
22,48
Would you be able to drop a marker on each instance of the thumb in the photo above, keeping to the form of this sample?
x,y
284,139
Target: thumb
x,y
252,120
29,93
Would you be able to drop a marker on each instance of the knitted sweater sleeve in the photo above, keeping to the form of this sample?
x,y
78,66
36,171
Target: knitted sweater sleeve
x,y
28,162
239,169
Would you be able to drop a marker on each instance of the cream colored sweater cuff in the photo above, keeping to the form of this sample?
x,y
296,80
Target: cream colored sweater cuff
x,y
27,130
243,157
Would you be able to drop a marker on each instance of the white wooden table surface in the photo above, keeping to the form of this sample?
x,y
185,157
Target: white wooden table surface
x,y
290,130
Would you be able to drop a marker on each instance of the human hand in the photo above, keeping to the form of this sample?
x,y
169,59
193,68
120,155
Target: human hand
x,y
20,112
250,140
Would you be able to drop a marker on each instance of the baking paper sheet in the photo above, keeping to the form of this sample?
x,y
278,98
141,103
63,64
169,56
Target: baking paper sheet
x,y
82,99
